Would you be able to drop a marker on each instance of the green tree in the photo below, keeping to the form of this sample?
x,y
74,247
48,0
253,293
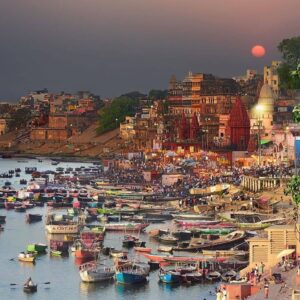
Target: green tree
x,y
157,94
20,117
112,115
290,49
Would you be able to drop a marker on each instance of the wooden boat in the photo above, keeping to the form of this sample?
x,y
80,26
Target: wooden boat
x,y
132,273
129,241
224,242
125,226
62,229
142,249
168,239
2,219
169,276
30,218
20,208
225,253
190,216
23,257
56,253
213,276
95,272
9,205
39,248
229,275
118,253
29,289
165,249
85,253
191,223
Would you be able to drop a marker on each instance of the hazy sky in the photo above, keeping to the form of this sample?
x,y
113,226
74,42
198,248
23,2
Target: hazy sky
x,y
114,46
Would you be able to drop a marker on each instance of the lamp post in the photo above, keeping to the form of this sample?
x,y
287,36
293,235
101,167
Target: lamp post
x,y
117,122
259,109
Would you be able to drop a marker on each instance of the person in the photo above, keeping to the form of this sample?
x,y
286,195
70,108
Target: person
x,y
266,289
224,294
29,282
219,295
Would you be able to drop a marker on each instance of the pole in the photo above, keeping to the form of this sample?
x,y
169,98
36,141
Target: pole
x,y
259,141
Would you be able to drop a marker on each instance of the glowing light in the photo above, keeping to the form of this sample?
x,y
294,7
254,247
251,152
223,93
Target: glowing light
x,y
258,51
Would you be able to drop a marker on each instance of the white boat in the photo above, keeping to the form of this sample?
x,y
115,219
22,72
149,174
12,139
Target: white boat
x,y
62,229
95,272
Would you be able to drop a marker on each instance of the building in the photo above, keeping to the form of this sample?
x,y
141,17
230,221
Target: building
x,y
271,77
239,126
262,113
201,93
280,241
3,126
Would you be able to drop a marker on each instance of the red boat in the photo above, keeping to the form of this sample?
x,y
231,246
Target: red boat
x,y
88,238
143,249
86,253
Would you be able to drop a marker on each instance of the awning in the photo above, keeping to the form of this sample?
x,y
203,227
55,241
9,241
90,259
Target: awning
x,y
285,252
264,142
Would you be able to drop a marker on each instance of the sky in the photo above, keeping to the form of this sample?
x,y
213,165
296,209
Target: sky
x,y
114,46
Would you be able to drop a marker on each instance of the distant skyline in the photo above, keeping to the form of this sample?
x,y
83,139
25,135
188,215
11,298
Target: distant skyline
x,y
113,47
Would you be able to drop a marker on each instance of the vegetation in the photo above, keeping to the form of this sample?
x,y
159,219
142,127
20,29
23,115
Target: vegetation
x,y
288,70
20,118
158,94
110,116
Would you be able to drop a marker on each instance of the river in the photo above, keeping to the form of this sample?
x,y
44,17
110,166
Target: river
x,y
62,273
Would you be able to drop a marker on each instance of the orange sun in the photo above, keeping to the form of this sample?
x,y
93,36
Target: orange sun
x,y
258,51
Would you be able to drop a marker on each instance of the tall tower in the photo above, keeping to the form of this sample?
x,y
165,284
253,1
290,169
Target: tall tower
x,y
239,124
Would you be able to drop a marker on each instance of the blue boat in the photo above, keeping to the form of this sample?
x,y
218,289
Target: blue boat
x,y
132,273
169,276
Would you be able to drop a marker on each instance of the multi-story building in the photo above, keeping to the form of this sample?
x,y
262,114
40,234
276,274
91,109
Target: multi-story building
x,y
202,93
271,77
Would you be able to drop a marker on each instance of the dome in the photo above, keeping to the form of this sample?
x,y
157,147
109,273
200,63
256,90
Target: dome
x,y
266,92
266,98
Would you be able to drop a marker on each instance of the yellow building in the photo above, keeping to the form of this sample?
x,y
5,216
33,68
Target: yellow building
x,y
281,241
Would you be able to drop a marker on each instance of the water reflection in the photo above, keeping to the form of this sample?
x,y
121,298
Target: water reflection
x,y
89,288
168,287
128,289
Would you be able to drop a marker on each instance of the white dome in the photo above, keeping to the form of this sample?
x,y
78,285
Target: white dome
x,y
266,98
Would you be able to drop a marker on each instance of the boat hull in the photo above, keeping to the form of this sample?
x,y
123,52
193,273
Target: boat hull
x,y
129,278
169,278
62,229
92,276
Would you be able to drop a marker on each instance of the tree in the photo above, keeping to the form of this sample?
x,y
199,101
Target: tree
x,y
20,117
158,94
112,115
290,49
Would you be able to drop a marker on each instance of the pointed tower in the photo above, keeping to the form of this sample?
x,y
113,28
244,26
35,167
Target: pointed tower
x,y
239,124
183,128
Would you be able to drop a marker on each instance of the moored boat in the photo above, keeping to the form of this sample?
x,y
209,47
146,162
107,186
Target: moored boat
x,y
169,276
143,249
125,226
26,257
95,272
30,218
29,289
132,273
62,229
39,248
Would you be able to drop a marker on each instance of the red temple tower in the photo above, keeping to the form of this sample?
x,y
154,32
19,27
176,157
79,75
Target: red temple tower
x,y
239,125
184,128
194,128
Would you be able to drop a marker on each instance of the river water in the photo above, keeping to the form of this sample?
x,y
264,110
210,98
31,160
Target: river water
x,y
63,272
